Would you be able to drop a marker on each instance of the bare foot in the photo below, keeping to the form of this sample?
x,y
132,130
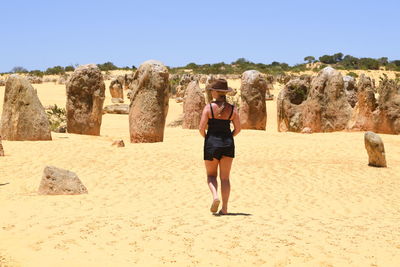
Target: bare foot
x,y
214,205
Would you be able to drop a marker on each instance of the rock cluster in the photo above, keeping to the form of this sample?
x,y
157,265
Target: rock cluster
x,y
382,115
183,84
324,104
387,113
128,79
320,104
34,79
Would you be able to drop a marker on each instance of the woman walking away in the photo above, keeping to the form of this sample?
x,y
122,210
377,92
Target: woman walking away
x,y
219,146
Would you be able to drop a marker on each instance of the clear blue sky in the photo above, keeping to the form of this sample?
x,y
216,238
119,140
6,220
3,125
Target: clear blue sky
x,y
40,34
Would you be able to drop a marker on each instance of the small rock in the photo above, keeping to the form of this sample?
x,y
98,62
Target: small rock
x,y
61,129
176,123
306,130
116,109
178,99
57,181
118,143
375,149
117,100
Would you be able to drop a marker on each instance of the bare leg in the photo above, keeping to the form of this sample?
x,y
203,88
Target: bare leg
x,y
224,172
212,173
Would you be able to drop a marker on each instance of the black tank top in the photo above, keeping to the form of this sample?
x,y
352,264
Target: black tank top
x,y
219,131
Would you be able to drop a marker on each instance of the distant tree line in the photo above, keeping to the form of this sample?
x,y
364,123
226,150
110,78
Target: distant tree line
x,y
59,70
238,67
349,62
337,60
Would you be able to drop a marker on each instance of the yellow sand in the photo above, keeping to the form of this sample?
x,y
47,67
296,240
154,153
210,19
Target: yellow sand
x,y
298,200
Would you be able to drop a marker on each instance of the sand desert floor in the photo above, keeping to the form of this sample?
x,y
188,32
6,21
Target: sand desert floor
x,y
296,200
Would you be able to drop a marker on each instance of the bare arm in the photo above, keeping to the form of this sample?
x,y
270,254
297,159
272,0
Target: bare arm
x,y
204,121
236,122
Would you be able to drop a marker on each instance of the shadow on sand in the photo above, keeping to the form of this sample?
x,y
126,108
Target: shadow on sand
x,y
4,184
233,214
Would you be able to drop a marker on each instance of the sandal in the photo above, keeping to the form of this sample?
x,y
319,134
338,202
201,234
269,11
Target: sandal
x,y
214,205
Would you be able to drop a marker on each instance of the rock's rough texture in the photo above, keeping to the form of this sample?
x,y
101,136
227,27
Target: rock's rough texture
x,y
128,79
321,106
34,79
179,99
116,90
23,116
375,150
183,84
350,89
203,79
1,149
57,181
382,115
290,105
116,109
270,86
193,105
149,103
387,115
253,112
85,97
362,118
62,79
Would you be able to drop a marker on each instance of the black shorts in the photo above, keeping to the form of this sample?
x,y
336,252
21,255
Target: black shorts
x,y
217,152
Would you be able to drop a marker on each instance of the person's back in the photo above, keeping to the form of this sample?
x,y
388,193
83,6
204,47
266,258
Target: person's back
x,y
219,146
219,130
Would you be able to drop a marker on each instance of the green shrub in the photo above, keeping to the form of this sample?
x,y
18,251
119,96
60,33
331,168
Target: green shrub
x,y
69,68
352,74
57,118
55,70
107,66
37,73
